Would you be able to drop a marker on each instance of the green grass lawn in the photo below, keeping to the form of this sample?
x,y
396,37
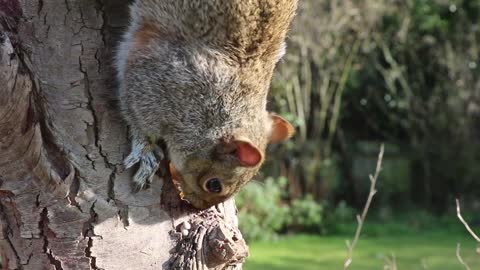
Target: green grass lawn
x,y
303,252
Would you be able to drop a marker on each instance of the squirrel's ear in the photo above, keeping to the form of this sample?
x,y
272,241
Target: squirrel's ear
x,y
247,154
281,129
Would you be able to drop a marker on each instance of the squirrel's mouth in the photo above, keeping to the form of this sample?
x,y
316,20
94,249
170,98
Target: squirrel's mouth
x,y
177,181
185,195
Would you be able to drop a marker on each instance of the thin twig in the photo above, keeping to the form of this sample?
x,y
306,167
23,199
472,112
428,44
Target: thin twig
x,y
472,233
459,257
424,264
459,215
361,219
391,263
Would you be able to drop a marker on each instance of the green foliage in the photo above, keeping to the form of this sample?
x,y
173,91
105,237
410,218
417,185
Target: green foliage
x,y
343,213
402,72
416,83
396,169
306,215
342,221
337,216
264,212
261,210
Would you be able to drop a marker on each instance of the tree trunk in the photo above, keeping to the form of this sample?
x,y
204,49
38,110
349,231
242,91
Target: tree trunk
x,y
65,201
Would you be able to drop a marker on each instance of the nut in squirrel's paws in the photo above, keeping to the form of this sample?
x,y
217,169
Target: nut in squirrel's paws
x,y
149,158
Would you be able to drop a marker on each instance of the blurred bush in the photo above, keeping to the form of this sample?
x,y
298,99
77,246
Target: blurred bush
x,y
306,215
264,212
402,72
261,210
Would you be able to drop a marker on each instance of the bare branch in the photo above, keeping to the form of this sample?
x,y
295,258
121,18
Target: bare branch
x,y
459,215
459,257
390,263
424,264
361,219
472,233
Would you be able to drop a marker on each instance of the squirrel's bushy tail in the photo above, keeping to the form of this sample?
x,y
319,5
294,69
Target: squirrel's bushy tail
x,y
248,28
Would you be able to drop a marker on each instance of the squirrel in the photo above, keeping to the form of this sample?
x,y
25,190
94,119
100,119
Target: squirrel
x,y
195,75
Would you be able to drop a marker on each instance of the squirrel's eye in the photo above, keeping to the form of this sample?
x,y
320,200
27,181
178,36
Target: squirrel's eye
x,y
213,185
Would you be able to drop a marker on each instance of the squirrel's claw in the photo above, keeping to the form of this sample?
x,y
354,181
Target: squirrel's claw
x,y
138,149
145,173
149,158
131,160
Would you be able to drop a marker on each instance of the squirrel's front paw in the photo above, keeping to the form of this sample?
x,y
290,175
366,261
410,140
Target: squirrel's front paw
x,y
146,171
149,158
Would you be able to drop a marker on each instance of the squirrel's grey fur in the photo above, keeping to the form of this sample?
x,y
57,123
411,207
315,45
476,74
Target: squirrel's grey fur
x,y
195,74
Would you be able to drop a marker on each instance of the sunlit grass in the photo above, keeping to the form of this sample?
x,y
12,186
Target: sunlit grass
x,y
413,251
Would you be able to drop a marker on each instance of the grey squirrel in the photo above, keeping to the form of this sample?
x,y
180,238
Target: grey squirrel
x,y
195,75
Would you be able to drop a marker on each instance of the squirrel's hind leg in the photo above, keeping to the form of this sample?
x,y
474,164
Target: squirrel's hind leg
x,y
149,156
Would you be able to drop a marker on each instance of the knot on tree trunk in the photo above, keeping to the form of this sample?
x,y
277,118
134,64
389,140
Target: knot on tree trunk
x,y
206,241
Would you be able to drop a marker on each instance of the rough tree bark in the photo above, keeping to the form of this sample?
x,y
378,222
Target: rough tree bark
x,y
65,202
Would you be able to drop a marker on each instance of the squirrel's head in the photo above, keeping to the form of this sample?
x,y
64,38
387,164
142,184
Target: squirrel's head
x,y
210,177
